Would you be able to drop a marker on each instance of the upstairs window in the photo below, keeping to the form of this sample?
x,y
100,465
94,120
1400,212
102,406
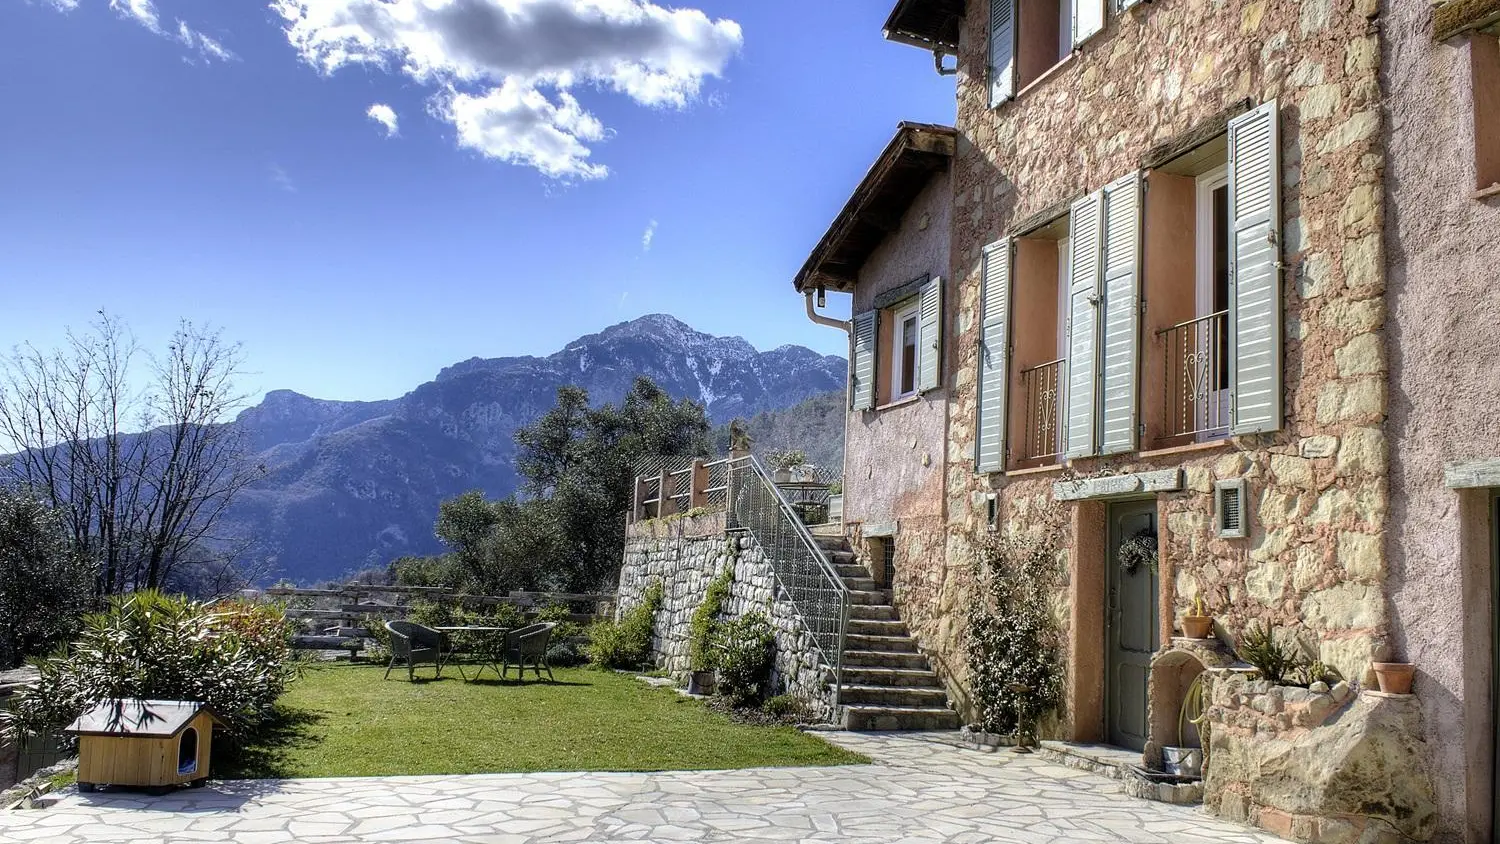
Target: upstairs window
x,y
1027,38
896,349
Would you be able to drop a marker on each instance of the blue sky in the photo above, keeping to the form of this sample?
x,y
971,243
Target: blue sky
x,y
218,162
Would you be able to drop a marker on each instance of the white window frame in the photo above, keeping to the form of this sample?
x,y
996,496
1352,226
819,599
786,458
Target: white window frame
x,y
912,311
1207,183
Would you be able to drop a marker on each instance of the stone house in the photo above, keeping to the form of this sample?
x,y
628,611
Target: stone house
x,y
1211,277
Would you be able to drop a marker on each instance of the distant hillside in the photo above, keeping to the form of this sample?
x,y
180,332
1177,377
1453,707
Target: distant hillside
x,y
353,485
815,425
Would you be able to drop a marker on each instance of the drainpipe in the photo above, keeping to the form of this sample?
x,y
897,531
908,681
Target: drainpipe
x,y
812,314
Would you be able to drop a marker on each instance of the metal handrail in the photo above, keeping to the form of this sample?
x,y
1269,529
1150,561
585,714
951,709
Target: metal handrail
x,y
813,586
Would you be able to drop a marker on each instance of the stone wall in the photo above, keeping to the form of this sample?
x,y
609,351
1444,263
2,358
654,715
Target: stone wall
x,y
1318,488
685,554
1320,764
1444,295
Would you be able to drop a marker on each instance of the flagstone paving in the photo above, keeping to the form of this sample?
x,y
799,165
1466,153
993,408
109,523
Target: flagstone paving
x,y
922,788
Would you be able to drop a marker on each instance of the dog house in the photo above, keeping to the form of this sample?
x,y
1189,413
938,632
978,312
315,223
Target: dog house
x,y
154,744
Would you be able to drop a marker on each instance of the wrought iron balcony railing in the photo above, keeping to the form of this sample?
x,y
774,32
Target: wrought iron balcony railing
x,y
1196,372
1041,384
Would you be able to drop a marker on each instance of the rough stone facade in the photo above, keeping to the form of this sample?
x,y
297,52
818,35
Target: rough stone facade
x,y
685,553
1444,295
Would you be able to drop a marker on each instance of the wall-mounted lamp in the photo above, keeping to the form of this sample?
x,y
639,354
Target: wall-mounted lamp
x,y
822,298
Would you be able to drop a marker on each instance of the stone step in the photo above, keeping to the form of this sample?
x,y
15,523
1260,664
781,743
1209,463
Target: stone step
x,y
873,612
864,583
831,543
862,717
884,644
919,697
852,570
910,678
874,596
876,627
840,556
885,659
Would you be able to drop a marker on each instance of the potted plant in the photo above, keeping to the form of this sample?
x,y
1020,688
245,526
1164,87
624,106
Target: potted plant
x,y
1198,624
1187,761
704,625
1394,677
783,462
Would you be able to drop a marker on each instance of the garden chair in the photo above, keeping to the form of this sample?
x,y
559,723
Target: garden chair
x,y
414,644
528,646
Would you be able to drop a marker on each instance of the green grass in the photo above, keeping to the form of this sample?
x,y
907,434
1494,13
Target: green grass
x,y
344,720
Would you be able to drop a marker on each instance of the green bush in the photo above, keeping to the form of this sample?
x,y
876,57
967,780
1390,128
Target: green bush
x,y
746,651
565,655
232,656
562,616
45,584
701,653
1014,647
785,707
626,643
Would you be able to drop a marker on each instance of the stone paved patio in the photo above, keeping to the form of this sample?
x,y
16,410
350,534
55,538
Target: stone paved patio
x,y
922,788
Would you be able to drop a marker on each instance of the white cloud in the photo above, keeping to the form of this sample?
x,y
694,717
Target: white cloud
x,y
280,177
503,70
649,236
143,13
385,116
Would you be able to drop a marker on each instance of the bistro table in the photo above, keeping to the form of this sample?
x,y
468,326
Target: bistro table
x,y
487,656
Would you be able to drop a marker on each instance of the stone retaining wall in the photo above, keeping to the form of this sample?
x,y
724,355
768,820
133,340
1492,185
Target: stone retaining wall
x,y
1322,764
686,553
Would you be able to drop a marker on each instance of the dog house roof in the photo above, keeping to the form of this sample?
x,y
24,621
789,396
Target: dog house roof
x,y
133,717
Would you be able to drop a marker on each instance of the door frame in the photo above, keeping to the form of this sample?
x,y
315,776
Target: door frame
x,y
1111,602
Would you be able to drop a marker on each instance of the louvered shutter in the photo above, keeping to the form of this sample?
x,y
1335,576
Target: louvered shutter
x,y
930,339
1088,19
862,342
1002,51
1254,272
994,355
1084,229
1122,311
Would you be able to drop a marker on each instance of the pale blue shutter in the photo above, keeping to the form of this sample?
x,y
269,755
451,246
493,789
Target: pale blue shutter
x,y
994,355
1088,19
930,342
1002,51
1084,229
1122,311
1255,272
862,342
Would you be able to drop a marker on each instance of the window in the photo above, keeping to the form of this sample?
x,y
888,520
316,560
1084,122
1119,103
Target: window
x,y
905,351
1030,37
1202,362
1039,343
1484,60
896,349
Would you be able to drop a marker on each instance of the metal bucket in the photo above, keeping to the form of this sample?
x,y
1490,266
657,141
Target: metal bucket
x,y
1182,761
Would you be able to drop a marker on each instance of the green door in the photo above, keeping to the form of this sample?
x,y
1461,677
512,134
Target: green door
x,y
1132,638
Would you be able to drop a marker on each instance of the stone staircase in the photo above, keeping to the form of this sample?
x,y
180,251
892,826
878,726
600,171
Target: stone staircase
x,y
888,683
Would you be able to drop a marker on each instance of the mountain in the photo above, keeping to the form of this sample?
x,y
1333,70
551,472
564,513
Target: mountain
x,y
353,485
815,425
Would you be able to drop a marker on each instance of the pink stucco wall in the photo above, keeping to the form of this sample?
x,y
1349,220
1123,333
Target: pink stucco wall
x,y
1443,292
893,456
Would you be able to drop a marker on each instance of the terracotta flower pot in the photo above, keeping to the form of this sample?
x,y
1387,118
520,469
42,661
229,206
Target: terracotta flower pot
x,y
1394,677
1198,626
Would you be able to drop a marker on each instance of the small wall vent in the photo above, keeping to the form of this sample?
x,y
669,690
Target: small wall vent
x,y
1229,509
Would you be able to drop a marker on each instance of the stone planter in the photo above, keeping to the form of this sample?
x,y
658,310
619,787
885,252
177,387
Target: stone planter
x,y
702,682
1394,677
1182,761
1198,626
781,476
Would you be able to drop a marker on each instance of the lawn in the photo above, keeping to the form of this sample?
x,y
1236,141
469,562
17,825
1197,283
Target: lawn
x,y
342,719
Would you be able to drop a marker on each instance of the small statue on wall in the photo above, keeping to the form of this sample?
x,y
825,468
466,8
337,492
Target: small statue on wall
x,y
739,439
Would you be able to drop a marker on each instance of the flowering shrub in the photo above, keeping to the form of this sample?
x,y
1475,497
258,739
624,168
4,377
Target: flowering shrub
x,y
232,656
1014,647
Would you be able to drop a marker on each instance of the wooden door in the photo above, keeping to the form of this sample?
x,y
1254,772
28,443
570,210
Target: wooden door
x,y
1131,625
